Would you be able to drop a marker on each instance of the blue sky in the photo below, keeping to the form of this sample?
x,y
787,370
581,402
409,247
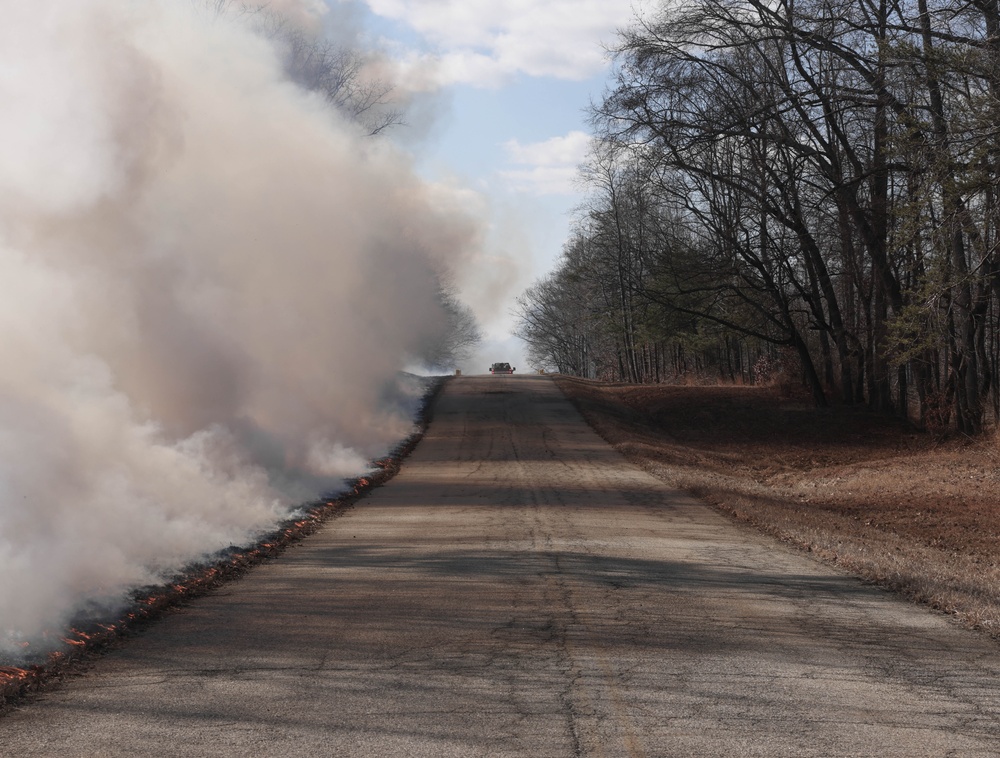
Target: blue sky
x,y
509,82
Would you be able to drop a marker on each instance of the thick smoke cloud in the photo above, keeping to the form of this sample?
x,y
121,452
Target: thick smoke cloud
x,y
210,283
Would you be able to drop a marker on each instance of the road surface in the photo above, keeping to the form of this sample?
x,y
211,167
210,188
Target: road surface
x,y
520,590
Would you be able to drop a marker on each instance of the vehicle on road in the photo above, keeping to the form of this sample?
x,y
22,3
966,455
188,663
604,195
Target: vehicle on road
x,y
501,368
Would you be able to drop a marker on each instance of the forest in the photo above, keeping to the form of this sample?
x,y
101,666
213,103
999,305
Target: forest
x,y
804,188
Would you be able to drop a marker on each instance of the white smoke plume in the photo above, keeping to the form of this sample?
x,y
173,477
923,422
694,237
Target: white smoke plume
x,y
210,281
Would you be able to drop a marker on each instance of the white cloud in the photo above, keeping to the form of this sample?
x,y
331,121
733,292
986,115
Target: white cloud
x,y
485,42
548,167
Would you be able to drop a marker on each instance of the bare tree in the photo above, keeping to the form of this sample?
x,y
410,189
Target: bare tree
x,y
341,74
460,332
820,175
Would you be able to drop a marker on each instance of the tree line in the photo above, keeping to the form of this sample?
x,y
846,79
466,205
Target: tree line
x,y
806,182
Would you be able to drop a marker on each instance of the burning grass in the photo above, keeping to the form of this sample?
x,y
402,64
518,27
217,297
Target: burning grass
x,y
81,642
864,492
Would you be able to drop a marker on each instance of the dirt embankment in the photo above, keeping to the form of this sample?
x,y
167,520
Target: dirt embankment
x,y
860,490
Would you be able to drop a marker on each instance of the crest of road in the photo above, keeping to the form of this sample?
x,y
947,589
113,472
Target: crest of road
x,y
519,589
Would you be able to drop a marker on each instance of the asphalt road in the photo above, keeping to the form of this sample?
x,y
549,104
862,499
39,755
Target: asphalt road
x,y
520,590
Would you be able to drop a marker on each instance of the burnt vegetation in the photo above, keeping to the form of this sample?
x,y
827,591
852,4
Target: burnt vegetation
x,y
807,188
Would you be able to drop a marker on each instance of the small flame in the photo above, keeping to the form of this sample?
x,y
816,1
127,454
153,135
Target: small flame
x,y
14,681
13,674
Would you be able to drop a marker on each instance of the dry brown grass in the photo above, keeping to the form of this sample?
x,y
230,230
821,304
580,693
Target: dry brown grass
x,y
864,492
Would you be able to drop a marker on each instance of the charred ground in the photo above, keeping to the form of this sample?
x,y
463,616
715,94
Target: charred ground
x,y
868,493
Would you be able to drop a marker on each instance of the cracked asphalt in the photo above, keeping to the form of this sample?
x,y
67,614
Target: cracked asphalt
x,y
520,590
